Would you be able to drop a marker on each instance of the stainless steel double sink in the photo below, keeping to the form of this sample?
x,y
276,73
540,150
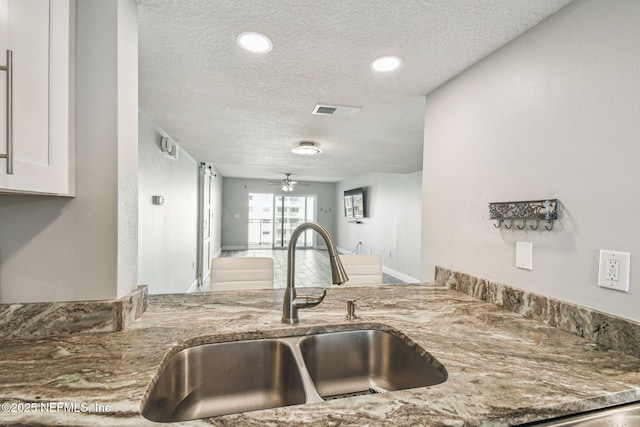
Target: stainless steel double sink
x,y
231,377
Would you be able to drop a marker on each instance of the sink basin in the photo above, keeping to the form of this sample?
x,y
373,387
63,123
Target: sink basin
x,y
225,378
231,377
351,363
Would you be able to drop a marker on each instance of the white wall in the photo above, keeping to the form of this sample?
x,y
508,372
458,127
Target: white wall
x,y
127,128
235,207
216,210
56,249
393,223
167,235
554,114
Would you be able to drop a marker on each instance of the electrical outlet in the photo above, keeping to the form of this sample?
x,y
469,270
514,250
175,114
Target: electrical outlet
x,y
613,269
613,272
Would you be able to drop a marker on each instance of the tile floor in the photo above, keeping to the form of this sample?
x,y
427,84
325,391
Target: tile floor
x,y
312,266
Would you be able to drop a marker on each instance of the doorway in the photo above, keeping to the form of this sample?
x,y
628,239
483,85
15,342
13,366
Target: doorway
x,y
289,213
205,215
272,219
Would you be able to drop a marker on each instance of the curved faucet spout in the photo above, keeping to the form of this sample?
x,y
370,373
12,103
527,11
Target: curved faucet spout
x,y
339,276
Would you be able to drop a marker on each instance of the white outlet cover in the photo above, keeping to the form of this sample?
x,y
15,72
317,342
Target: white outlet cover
x,y
605,277
524,255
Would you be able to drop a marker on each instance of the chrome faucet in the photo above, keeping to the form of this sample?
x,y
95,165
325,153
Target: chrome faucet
x,y
291,304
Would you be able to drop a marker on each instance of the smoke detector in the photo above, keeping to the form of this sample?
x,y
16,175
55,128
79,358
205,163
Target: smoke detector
x,y
335,110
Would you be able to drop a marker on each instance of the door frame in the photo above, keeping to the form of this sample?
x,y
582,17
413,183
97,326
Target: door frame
x,y
203,268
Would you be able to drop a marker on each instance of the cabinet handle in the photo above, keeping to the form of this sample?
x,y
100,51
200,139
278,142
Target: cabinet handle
x,y
9,70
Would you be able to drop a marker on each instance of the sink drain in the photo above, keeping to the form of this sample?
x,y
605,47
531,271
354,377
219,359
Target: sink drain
x,y
370,390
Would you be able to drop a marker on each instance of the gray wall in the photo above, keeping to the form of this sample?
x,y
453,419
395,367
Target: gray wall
x,y
392,226
85,248
553,114
235,207
167,235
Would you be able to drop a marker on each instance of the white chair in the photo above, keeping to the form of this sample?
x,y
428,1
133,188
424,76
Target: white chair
x,y
362,269
233,273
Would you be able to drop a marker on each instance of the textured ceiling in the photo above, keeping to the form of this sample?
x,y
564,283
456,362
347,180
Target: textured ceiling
x,y
243,113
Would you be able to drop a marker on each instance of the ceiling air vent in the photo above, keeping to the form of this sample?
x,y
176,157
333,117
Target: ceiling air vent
x,y
335,110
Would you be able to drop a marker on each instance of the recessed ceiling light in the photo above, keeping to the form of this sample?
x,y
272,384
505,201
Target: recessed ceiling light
x,y
386,63
306,148
254,42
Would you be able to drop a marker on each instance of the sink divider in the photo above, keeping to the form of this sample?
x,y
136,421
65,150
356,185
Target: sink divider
x,y
311,394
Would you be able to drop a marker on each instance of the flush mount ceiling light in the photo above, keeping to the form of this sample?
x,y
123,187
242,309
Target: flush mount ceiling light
x,y
254,42
306,148
386,63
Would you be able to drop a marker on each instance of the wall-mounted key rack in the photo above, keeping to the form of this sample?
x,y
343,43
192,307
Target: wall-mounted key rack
x,y
531,210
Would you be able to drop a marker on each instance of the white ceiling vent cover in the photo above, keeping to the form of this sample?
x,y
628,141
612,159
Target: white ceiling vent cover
x,y
335,110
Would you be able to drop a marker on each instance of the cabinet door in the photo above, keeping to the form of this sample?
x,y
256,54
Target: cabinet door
x,y
39,34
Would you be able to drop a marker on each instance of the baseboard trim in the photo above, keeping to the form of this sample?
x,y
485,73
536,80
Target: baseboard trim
x,y
234,248
404,277
193,287
391,272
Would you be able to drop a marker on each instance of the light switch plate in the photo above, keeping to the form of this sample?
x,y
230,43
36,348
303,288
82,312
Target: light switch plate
x,y
524,255
614,270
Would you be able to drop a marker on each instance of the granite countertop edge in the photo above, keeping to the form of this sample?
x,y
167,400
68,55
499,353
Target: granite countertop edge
x,y
503,369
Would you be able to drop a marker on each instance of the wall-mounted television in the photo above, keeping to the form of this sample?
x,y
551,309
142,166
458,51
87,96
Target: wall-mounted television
x,y
355,203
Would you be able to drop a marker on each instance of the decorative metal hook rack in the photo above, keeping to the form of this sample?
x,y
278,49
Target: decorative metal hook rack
x,y
535,210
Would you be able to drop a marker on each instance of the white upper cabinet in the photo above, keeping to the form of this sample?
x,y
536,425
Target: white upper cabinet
x,y
40,157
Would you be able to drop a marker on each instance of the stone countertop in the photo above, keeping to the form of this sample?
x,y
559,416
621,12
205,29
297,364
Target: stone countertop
x,y
503,369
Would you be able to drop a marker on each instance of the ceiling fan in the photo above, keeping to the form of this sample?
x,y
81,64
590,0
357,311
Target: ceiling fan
x,y
287,183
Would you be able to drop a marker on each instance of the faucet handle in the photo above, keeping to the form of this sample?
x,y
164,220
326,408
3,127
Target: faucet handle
x,y
308,301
